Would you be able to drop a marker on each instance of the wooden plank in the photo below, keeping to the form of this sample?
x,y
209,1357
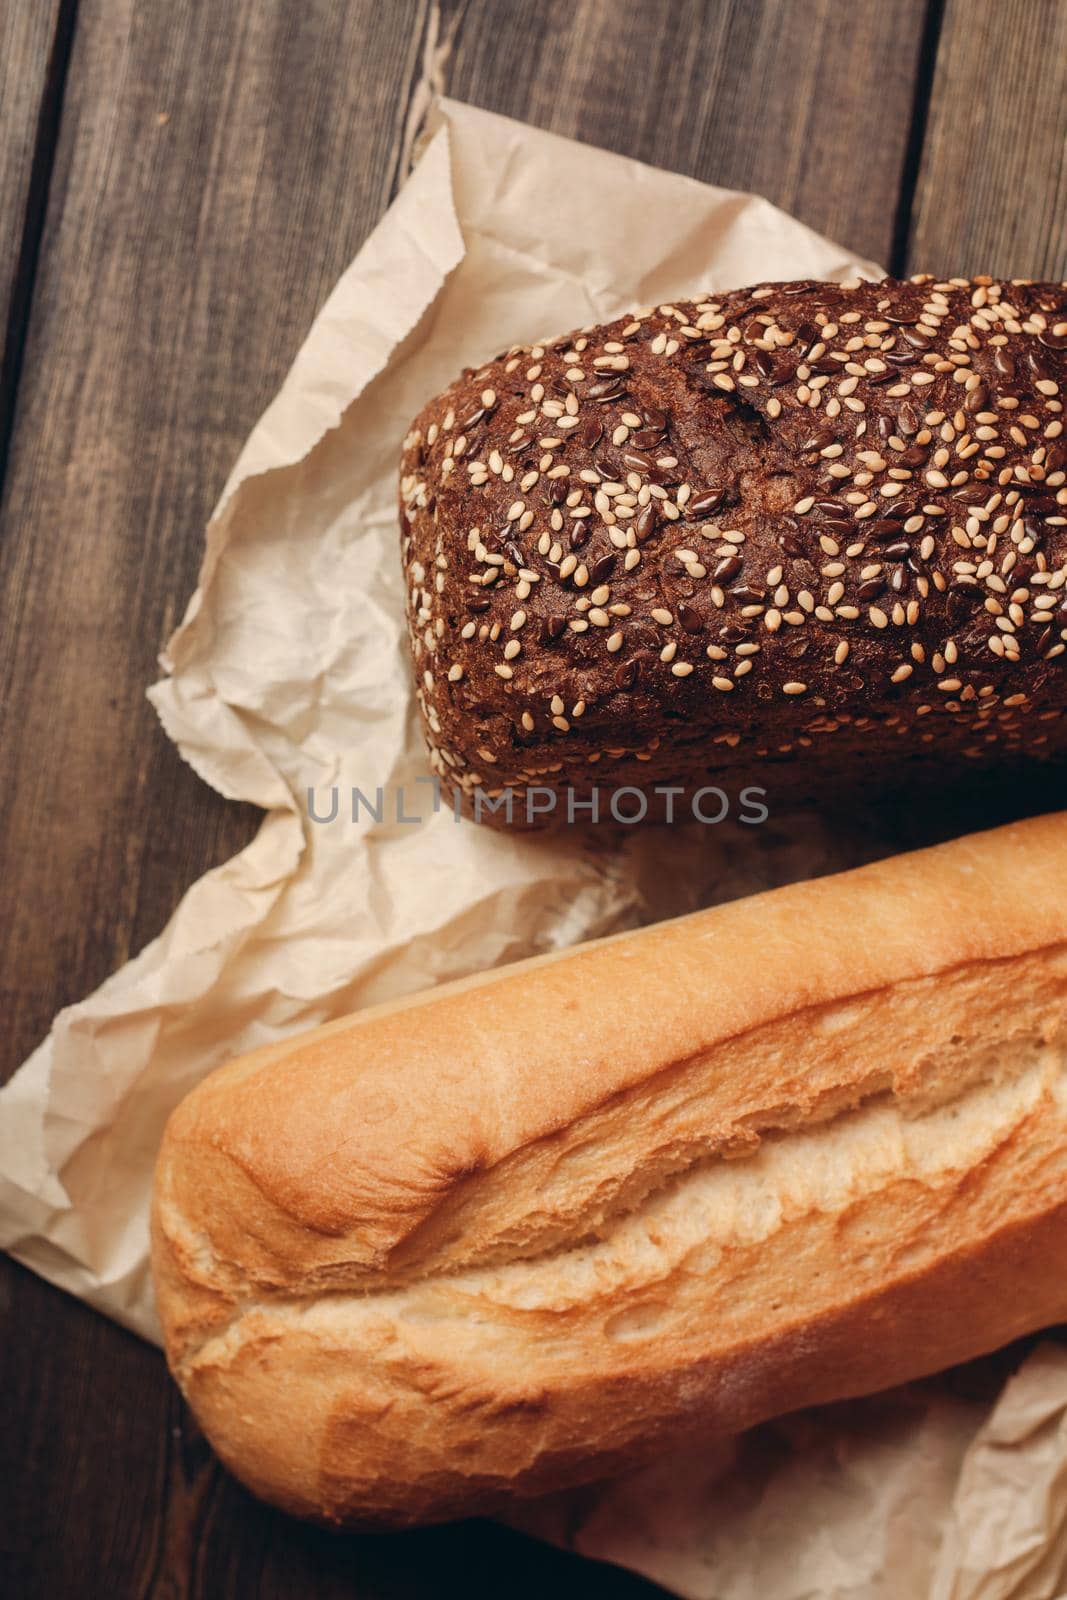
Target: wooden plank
x,y
215,174
32,58
790,100
992,189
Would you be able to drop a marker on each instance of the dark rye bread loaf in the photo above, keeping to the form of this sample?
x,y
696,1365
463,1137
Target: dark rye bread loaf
x,y
792,535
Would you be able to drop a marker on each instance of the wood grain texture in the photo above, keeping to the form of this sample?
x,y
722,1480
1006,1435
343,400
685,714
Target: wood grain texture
x,y
31,60
790,100
212,180
992,189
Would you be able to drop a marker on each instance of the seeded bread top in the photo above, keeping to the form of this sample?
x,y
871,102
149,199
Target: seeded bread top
x,y
755,516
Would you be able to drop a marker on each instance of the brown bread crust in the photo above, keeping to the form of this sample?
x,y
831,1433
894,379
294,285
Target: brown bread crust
x,y
799,520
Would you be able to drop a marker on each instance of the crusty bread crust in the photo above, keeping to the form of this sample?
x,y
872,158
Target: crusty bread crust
x,y
522,1230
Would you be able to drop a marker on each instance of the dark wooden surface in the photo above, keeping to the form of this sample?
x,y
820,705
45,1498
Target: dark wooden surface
x,y
992,188
180,186
32,52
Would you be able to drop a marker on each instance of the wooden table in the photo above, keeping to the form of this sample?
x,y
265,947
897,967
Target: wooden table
x,y
180,185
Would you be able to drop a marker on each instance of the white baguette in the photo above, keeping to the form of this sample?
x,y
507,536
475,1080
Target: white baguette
x,y
523,1230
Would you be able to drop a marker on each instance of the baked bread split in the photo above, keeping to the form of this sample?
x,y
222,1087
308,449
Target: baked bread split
x,y
527,1229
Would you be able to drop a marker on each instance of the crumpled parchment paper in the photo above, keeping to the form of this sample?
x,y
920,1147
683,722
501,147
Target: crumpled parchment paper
x,y
917,1494
288,673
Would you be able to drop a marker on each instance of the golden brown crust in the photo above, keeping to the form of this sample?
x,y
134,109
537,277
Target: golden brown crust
x,y
516,1232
